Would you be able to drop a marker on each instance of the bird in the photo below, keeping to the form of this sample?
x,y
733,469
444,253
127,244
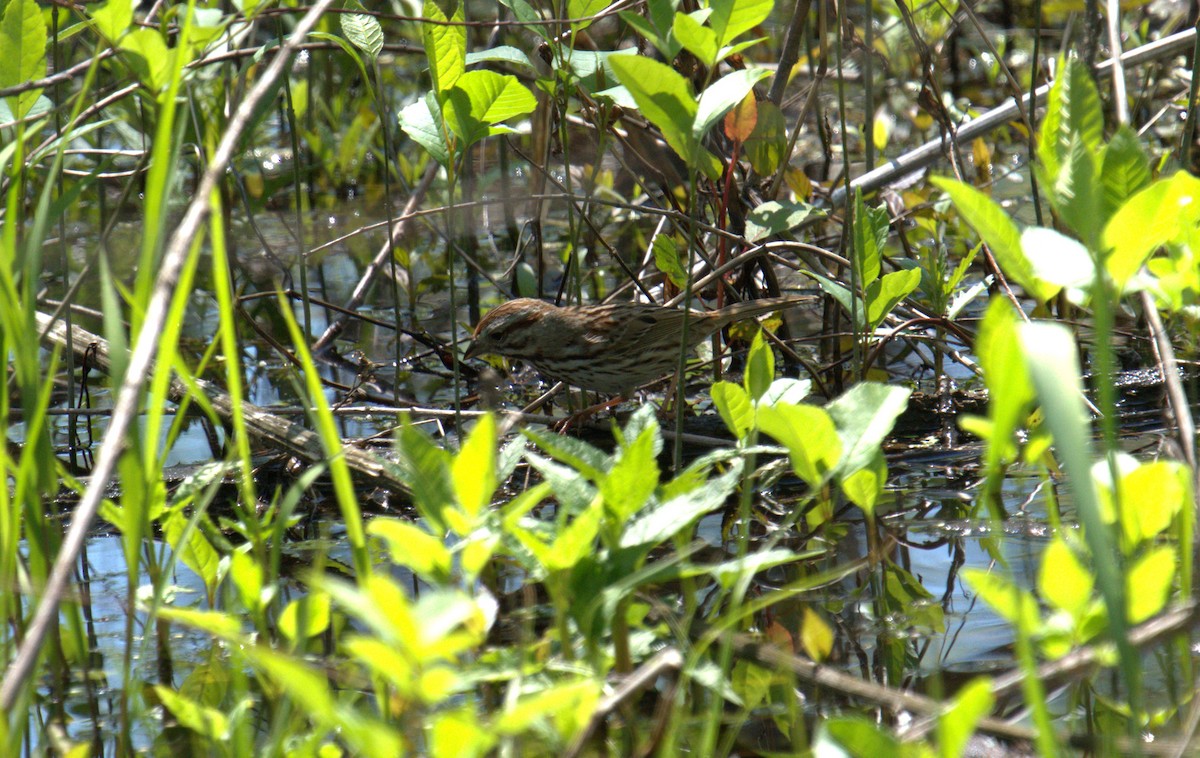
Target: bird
x,y
611,349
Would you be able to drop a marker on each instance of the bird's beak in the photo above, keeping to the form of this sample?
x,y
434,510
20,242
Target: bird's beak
x,y
471,353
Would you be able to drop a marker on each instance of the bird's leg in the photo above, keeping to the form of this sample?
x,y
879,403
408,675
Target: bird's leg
x,y
577,418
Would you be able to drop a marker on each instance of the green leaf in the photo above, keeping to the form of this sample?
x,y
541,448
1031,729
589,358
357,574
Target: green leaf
x,y
842,296
1010,602
816,637
247,577
865,415
363,30
113,19
577,540
505,54
23,42
308,616
579,455
528,16
1124,168
1151,496
998,232
1076,195
1149,583
1072,112
760,367
855,736
422,121
663,522
425,468
584,10
151,59
696,38
786,390
767,142
459,732
808,433
666,258
445,46
1057,259
473,472
957,724
864,486
1158,214
1051,354
414,548
774,217
194,549
729,573
633,477
201,719
665,97
870,231
1063,580
663,39
731,18
1009,388
482,99
733,404
883,294
571,488
722,95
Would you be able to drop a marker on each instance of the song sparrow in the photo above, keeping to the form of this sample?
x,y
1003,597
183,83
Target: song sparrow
x,y
607,348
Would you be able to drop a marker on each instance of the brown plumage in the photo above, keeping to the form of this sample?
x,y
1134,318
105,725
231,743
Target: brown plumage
x,y
607,348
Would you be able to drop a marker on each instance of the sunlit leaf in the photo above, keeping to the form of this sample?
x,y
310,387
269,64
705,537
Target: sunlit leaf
x,y
854,736
362,29
885,293
666,258
764,149
473,471
1063,580
1151,496
870,231
422,121
411,546
481,100
760,367
113,18
1149,583
1151,218
665,98
774,217
956,725
697,39
808,433
816,636
865,485
1013,604
865,415
207,722
732,18
23,42
445,45
722,95
734,407
998,232
633,477
1058,259
307,615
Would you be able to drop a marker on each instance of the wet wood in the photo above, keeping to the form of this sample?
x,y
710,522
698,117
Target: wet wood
x,y
265,427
